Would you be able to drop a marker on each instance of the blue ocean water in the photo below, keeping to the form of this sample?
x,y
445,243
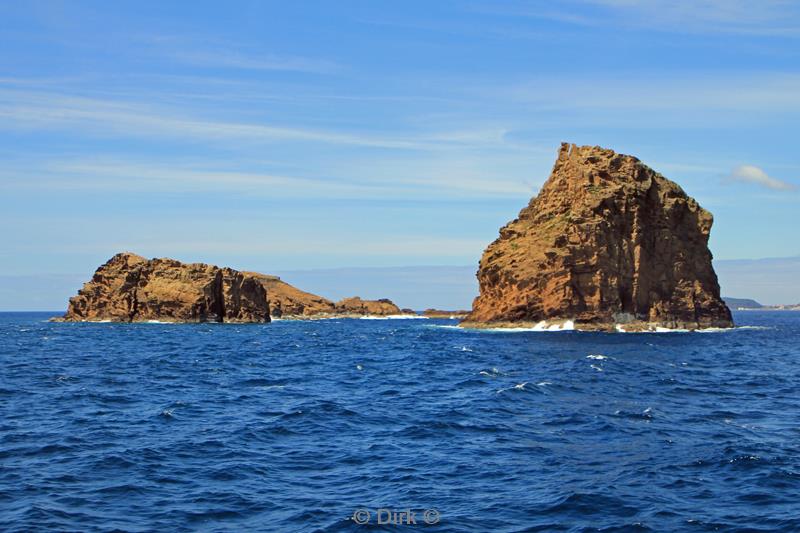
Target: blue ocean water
x,y
293,426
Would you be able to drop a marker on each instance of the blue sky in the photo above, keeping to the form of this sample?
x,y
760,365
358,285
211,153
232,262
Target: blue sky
x,y
278,136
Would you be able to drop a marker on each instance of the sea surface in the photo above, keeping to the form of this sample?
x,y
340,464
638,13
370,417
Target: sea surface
x,y
315,426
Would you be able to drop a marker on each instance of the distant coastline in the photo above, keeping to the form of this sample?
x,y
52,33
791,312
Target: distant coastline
x,y
771,308
748,304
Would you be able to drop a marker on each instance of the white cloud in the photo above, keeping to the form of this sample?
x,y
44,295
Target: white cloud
x,y
754,174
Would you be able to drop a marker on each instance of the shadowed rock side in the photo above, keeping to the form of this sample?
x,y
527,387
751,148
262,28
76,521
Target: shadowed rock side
x,y
130,288
607,241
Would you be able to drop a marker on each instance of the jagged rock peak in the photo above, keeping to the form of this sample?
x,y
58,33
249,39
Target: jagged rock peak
x,y
606,241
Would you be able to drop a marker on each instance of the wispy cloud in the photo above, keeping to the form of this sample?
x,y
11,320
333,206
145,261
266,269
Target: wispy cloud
x,y
354,245
237,60
766,17
418,179
29,111
210,52
660,91
756,175
741,17
26,110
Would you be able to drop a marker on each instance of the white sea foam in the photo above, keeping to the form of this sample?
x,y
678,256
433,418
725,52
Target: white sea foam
x,y
596,368
660,329
518,386
567,325
272,387
596,356
393,317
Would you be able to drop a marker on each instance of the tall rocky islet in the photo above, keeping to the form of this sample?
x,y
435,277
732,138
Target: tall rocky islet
x,y
607,243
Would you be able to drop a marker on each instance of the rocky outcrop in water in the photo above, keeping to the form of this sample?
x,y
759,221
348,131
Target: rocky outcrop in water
x,y
130,288
440,313
357,306
607,241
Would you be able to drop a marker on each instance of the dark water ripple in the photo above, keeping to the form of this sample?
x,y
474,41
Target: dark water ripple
x,y
294,425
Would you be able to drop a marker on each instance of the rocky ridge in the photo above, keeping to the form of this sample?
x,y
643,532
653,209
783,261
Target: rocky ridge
x,y
289,302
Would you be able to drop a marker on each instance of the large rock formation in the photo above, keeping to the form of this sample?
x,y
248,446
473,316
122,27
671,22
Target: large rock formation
x,y
607,241
130,288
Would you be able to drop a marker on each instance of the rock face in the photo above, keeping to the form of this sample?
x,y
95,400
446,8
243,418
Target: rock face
x,y
607,241
130,288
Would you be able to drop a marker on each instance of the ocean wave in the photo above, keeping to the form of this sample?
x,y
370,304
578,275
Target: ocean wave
x,y
343,405
519,386
393,317
542,326
659,329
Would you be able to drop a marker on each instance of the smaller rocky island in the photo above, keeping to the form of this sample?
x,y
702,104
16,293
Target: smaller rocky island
x,y
441,313
131,288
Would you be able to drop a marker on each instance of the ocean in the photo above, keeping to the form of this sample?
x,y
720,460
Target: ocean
x,y
397,425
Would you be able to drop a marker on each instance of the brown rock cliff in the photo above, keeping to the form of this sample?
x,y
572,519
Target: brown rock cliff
x,y
130,288
607,241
